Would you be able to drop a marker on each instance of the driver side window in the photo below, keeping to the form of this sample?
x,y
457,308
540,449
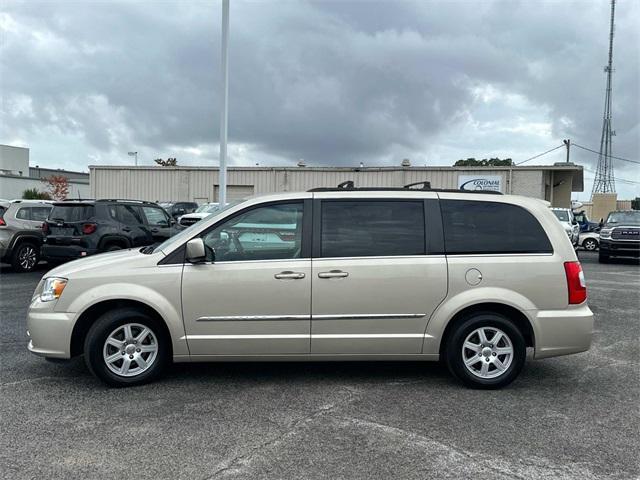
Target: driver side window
x,y
263,233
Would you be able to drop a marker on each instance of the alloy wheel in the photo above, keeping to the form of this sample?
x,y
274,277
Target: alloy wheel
x,y
487,352
27,257
130,350
590,244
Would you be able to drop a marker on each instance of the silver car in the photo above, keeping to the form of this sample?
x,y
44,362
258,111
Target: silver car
x,y
331,274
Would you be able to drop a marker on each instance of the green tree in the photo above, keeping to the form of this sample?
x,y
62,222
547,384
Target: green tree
x,y
491,162
169,162
635,203
35,194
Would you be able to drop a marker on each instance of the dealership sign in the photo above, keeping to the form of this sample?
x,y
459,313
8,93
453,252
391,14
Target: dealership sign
x,y
480,182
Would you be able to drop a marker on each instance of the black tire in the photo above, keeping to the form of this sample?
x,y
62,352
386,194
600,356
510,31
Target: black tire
x,y
454,351
25,256
590,244
96,338
603,258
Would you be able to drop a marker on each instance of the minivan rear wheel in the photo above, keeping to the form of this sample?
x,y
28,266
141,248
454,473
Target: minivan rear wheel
x,y
126,347
485,351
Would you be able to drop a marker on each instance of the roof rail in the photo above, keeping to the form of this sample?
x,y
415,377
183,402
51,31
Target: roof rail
x,y
424,186
124,200
78,200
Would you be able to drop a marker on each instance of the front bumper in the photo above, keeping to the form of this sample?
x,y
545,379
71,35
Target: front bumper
x,y
562,332
49,331
622,248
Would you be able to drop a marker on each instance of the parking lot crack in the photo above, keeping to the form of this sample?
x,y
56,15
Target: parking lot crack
x,y
242,460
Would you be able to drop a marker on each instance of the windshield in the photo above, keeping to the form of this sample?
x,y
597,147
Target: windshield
x,y
188,232
208,208
562,215
626,218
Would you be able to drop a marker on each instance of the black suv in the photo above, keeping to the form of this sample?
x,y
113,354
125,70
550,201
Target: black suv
x,y
79,228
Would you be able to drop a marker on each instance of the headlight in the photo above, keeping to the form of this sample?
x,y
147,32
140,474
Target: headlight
x,y
605,233
52,289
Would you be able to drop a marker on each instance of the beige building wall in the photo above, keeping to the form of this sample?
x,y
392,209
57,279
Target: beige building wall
x,y
201,183
602,204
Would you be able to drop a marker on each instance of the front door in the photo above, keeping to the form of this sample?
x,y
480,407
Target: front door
x,y
253,295
374,286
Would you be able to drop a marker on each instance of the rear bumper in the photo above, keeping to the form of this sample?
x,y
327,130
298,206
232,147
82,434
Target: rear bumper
x,y
65,252
562,332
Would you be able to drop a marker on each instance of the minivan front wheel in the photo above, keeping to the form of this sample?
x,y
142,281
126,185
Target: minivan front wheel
x,y
126,347
486,351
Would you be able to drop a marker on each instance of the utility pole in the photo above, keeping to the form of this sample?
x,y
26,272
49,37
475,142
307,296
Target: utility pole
x,y
567,143
224,114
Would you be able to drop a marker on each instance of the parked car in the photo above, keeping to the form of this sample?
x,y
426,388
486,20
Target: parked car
x,y
589,240
569,223
176,209
77,229
356,274
21,232
620,235
201,212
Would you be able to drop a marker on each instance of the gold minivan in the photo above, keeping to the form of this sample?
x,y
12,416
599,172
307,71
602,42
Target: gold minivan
x,y
473,279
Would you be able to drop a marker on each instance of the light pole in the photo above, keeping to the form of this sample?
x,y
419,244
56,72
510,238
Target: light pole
x,y
134,154
222,173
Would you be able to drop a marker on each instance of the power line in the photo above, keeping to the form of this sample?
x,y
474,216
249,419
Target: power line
x,y
610,156
540,154
625,180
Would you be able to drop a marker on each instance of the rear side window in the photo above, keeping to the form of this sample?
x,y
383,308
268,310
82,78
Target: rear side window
x,y
372,228
155,216
491,227
129,214
71,213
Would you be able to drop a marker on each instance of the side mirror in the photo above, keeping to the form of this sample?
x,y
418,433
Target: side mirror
x,y
195,251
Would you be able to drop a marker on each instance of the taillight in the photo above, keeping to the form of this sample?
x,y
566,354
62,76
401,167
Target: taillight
x,y
575,282
2,222
45,228
88,228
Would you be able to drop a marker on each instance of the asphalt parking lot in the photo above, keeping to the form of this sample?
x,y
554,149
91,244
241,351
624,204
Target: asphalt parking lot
x,y
567,417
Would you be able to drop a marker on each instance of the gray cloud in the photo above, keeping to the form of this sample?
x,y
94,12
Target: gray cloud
x,y
330,82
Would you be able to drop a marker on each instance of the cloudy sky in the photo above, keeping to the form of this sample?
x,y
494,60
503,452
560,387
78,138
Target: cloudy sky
x,y
330,82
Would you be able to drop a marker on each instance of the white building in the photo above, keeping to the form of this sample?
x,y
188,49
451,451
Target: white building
x,y
200,184
16,175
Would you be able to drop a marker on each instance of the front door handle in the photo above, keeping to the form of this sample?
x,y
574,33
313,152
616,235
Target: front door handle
x,y
333,274
126,229
288,275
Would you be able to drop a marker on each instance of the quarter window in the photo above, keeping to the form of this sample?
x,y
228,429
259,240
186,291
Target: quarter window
x,y
23,214
263,233
372,228
491,227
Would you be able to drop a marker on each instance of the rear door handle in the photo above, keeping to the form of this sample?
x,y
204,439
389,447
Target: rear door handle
x,y
333,274
288,275
126,229
154,230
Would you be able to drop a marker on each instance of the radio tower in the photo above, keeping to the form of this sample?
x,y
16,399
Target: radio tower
x,y
604,181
